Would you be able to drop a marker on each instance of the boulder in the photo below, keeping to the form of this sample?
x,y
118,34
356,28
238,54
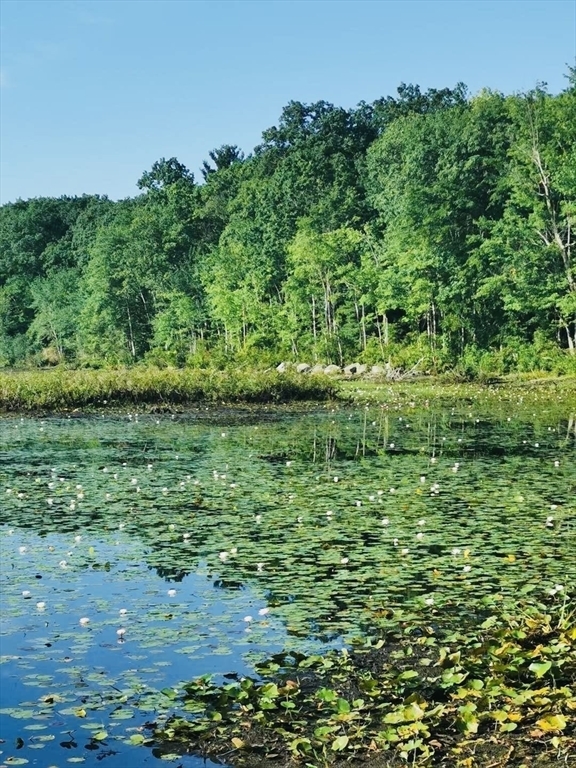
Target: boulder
x,y
330,370
303,368
283,367
350,370
377,370
317,368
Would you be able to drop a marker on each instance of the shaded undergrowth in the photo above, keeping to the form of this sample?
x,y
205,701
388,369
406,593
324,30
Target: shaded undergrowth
x,y
60,389
501,693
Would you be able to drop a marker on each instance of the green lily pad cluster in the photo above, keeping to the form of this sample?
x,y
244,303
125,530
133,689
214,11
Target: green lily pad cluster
x,y
503,691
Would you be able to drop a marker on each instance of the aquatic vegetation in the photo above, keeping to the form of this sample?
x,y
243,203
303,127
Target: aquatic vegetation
x,y
497,692
235,542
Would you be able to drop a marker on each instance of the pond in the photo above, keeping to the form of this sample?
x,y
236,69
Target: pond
x,y
140,551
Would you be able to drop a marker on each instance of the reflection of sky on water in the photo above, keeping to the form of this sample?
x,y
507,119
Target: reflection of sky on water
x,y
169,639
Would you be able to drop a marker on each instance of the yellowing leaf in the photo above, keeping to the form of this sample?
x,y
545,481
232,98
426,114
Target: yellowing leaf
x,y
413,712
552,723
238,743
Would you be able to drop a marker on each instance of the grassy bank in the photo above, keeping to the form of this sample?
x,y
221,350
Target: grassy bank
x,y
57,390
524,393
150,387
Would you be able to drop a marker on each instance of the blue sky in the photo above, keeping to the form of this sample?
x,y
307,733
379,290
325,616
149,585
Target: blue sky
x,y
94,91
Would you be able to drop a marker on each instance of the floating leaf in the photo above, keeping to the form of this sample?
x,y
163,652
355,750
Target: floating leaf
x,y
340,742
540,668
552,723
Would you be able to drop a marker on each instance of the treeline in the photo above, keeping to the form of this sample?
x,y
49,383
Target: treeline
x,y
428,226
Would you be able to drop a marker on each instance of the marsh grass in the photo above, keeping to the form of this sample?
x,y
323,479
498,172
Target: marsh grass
x,y
56,390
60,389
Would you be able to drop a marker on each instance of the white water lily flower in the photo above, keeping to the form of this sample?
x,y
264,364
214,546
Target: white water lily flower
x,y
336,479
263,611
404,551
22,550
260,567
40,606
121,632
467,568
422,478
62,563
329,513
556,463
344,560
429,601
385,521
420,536
171,592
258,518
248,618
84,621
422,521
26,593
123,611
223,556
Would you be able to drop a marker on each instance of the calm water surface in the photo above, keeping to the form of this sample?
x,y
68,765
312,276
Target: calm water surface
x,y
141,551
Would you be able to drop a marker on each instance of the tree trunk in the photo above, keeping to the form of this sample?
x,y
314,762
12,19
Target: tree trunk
x,y
131,332
314,319
571,339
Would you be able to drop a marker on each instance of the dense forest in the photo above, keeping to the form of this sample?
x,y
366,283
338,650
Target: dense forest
x,y
430,226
